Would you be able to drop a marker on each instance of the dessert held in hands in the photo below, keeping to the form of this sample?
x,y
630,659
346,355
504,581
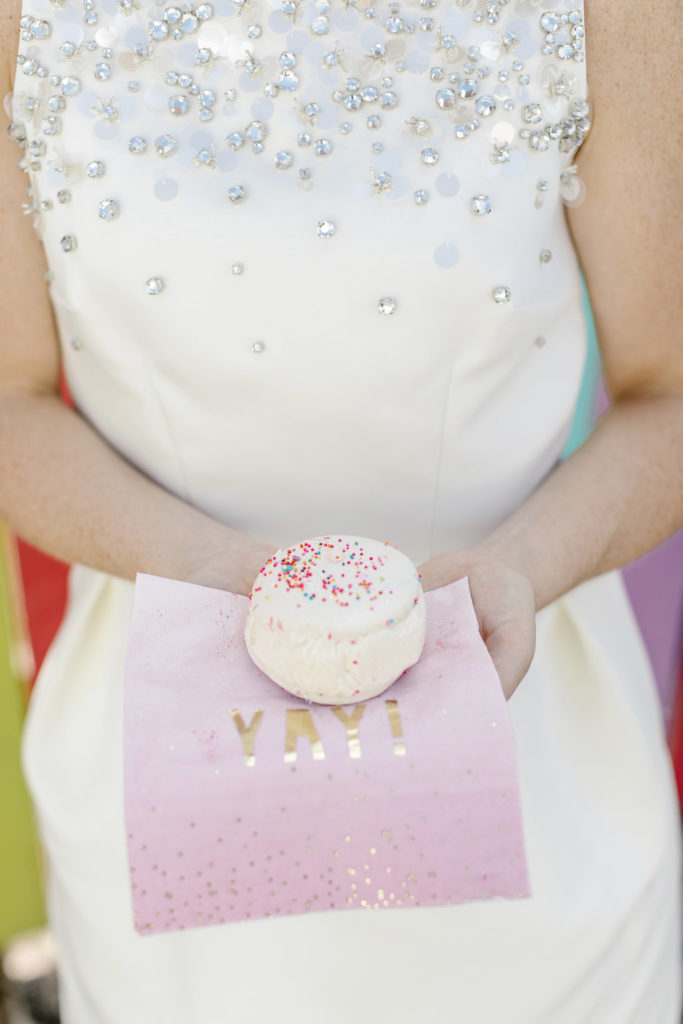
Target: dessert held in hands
x,y
336,619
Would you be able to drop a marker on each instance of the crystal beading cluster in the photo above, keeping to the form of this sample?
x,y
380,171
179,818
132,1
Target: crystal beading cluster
x,y
361,59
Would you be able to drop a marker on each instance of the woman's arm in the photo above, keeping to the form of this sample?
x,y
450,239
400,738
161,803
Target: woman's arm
x,y
62,487
621,493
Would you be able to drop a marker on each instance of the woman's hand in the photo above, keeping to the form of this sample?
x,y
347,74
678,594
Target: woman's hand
x,y
229,567
504,603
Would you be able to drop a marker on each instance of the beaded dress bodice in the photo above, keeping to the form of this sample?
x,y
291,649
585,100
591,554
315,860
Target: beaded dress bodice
x,y
308,258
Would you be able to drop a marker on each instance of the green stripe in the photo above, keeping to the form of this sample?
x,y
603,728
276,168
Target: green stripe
x,y
21,894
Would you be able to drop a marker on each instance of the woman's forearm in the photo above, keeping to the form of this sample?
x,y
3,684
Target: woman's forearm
x,y
68,492
614,499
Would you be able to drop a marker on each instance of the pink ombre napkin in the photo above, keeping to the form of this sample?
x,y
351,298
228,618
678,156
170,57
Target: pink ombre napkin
x,y
242,801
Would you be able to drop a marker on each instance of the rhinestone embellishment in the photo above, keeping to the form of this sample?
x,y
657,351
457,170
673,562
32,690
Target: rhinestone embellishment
x,y
108,209
346,66
325,228
165,145
481,205
155,285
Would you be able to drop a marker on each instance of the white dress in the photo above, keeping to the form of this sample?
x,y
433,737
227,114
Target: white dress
x,y
311,272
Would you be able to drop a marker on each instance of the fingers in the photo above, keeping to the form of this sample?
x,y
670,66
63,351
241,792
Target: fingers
x,y
512,647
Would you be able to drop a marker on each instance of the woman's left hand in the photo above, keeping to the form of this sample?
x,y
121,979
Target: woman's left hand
x,y
504,603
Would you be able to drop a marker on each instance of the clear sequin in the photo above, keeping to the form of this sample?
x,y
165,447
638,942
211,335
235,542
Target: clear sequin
x,y
429,156
234,140
380,181
178,104
205,157
70,85
154,285
255,131
108,111
419,126
165,145
481,204
467,88
237,269
108,209
485,105
387,305
51,125
445,98
257,346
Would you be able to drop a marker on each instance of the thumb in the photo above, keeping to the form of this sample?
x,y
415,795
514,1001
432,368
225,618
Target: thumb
x,y
512,645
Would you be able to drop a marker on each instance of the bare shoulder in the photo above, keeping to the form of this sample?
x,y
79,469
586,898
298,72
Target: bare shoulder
x,y
624,38
628,231
10,15
29,348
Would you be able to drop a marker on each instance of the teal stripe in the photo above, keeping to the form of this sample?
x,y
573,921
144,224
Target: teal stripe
x,y
583,416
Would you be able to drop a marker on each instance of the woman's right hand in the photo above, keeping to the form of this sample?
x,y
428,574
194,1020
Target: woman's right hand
x,y
233,566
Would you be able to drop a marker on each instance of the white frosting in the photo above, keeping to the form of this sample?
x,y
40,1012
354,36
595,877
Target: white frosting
x,y
336,619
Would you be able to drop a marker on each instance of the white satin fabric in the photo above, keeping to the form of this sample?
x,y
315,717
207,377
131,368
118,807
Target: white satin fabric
x,y
426,427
